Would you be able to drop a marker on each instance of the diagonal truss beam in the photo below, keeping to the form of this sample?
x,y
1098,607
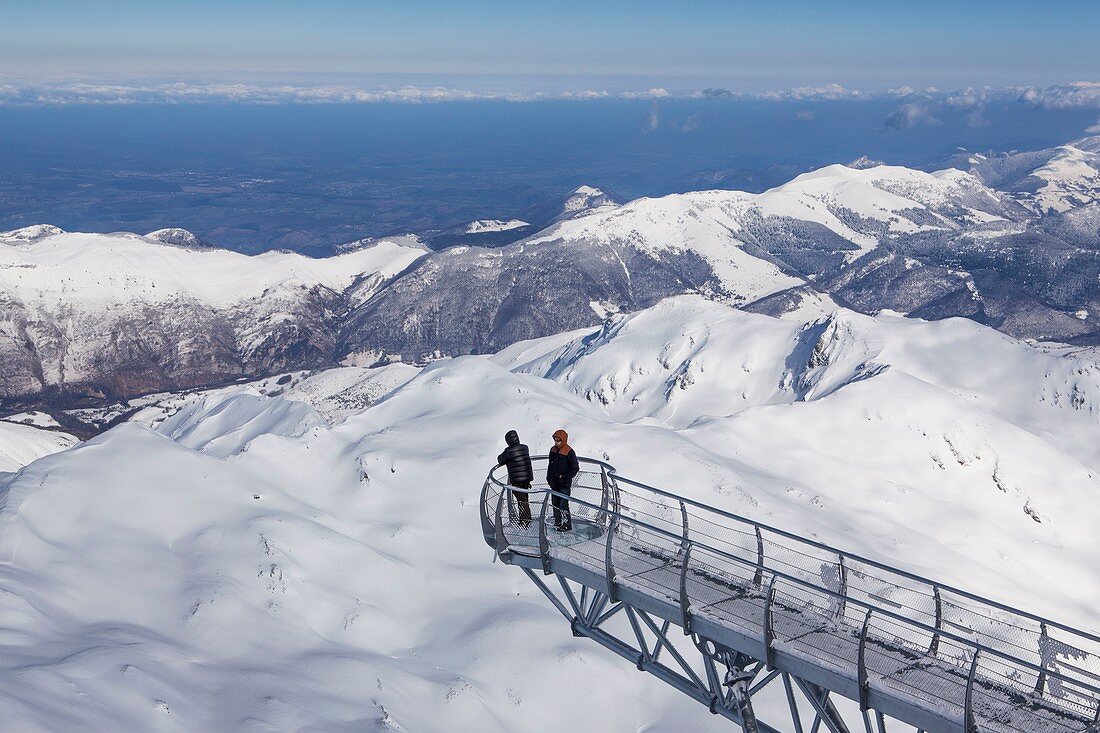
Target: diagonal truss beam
x,y
728,680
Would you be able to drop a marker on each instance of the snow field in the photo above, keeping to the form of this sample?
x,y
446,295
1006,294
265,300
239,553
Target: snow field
x,y
248,566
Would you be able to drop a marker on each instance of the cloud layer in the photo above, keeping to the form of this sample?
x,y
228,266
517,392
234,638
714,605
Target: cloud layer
x,y
917,106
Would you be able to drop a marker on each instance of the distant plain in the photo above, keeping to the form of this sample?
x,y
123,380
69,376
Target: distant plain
x,y
310,177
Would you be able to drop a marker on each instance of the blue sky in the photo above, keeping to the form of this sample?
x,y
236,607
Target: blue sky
x,y
745,46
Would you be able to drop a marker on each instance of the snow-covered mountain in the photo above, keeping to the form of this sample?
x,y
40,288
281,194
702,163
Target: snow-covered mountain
x,y
122,314
585,200
582,200
93,314
1050,181
178,237
251,561
482,226
839,229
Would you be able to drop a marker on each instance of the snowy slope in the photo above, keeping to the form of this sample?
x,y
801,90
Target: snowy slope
x,y
1053,180
334,578
330,395
859,206
21,444
125,313
585,200
481,226
86,270
1069,180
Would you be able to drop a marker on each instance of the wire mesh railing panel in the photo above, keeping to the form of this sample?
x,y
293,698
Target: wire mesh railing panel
x,y
802,622
588,506
734,538
809,564
996,629
647,559
877,588
894,662
520,514
657,512
1001,705
724,592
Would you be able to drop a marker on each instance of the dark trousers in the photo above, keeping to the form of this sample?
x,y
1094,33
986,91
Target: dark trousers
x,y
523,503
562,517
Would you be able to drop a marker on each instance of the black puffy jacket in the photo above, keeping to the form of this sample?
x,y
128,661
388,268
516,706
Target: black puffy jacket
x,y
518,459
561,469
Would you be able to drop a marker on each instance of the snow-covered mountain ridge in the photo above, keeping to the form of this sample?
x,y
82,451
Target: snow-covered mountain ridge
x,y
125,314
1048,181
246,565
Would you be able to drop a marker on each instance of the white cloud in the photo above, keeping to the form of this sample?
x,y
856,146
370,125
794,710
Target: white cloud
x,y
1081,94
972,97
16,93
1093,129
654,93
825,92
913,114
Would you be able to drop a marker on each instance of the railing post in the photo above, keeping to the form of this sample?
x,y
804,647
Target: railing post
x,y
970,725
486,524
863,683
684,519
604,518
759,577
544,542
842,603
769,628
685,604
935,645
609,566
1044,653
501,539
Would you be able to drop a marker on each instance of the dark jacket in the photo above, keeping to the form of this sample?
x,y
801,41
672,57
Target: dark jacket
x,y
561,469
518,459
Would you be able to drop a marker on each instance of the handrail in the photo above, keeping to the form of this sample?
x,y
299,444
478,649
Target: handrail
x,y
687,543
870,606
822,546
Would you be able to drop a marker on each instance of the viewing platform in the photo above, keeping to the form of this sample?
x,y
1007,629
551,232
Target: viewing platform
x,y
757,605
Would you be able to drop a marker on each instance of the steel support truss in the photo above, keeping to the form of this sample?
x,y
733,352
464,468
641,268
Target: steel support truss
x,y
722,679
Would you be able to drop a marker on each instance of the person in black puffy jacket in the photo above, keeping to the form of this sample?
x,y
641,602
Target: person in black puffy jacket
x,y
520,473
560,471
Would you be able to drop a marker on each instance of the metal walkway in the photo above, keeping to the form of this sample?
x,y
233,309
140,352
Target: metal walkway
x,y
759,606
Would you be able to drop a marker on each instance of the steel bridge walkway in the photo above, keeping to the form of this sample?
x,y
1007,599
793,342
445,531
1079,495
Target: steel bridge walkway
x,y
759,606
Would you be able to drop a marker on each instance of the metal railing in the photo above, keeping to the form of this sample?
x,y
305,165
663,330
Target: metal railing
x,y
928,640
